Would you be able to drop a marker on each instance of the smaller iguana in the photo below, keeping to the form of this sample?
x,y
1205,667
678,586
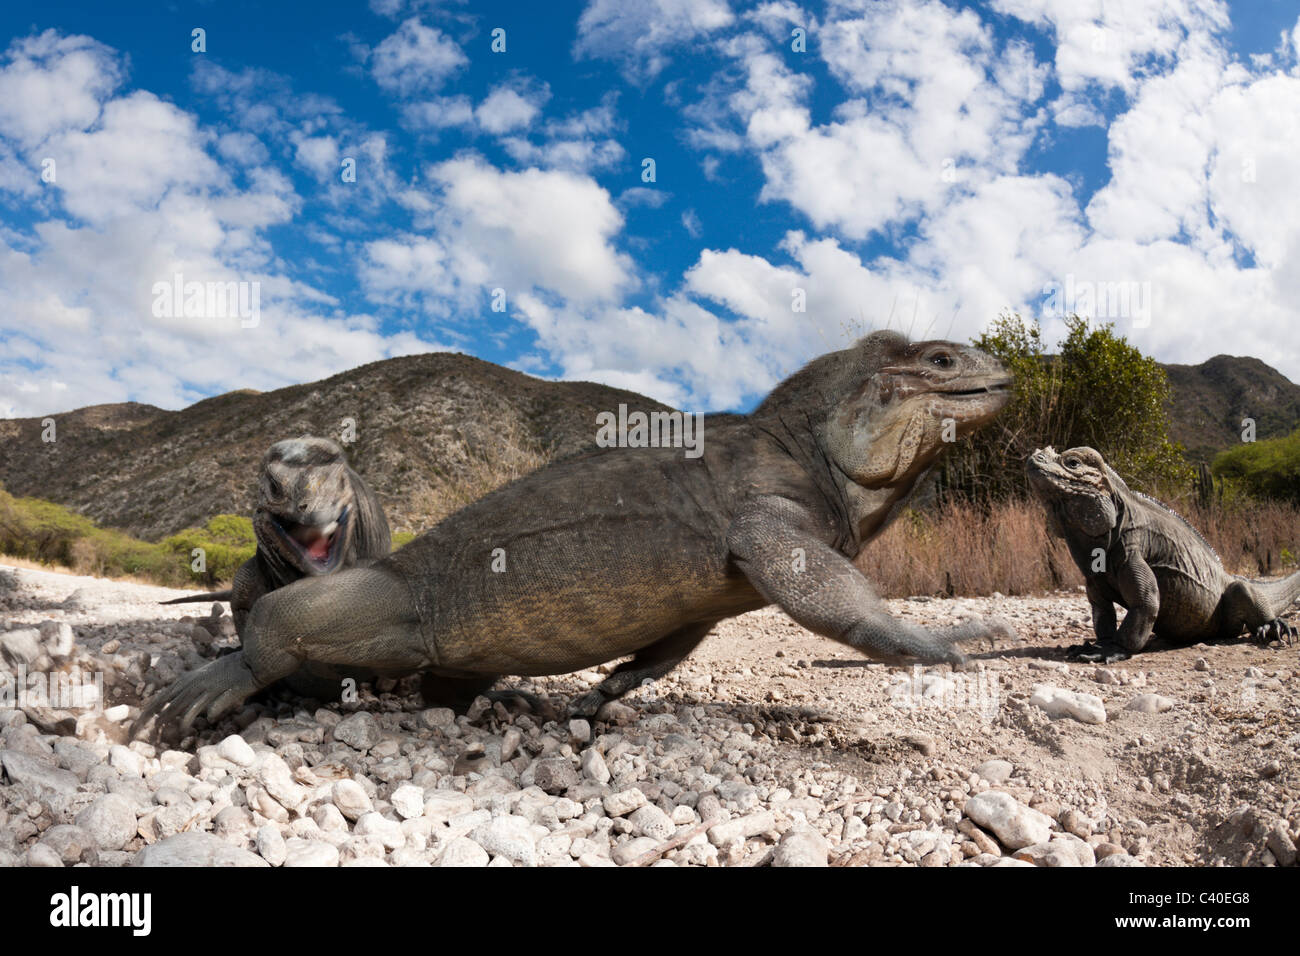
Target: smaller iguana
x,y
1140,554
314,516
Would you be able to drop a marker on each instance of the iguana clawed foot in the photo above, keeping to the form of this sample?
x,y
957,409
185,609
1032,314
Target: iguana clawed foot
x,y
215,689
1097,652
1275,630
586,705
531,702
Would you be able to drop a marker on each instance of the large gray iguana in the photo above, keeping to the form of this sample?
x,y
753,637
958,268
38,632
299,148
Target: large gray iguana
x,y
640,551
1138,553
315,516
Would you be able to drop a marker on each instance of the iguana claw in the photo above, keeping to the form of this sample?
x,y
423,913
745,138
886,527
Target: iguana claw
x,y
1275,630
1097,652
214,689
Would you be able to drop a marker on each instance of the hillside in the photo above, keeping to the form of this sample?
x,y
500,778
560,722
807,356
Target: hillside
x,y
427,428
1211,399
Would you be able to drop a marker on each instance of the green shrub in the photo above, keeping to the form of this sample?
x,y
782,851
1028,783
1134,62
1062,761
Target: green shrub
x,y
1263,469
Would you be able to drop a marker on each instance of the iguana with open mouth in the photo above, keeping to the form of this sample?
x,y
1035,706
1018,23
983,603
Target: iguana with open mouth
x,y
314,516
1140,554
640,551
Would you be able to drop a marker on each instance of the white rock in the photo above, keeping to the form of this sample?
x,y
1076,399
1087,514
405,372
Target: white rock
x,y
593,766
41,854
995,771
351,798
801,846
235,749
125,760
632,850
274,774
1015,824
652,822
742,828
195,848
508,836
57,638
441,805
624,802
388,831
110,821
1150,704
462,851
408,801
300,852
1059,702
271,845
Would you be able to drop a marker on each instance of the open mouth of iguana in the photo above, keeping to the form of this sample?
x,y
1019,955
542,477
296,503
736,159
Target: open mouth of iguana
x,y
319,546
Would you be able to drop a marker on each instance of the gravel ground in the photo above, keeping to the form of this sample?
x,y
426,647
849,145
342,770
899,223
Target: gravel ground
x,y
770,746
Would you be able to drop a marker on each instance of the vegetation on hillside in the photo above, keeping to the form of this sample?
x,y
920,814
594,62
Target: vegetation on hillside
x,y
51,534
1263,469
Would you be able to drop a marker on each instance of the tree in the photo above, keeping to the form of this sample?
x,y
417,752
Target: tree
x,y
1098,390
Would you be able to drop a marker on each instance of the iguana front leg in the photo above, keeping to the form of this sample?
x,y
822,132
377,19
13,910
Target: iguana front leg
x,y
362,617
775,543
1105,648
1140,591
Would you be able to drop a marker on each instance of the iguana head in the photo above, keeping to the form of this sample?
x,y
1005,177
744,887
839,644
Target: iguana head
x,y
895,405
1077,487
306,505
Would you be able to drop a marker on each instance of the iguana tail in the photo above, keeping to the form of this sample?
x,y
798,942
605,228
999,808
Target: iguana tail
x,y
1280,595
210,596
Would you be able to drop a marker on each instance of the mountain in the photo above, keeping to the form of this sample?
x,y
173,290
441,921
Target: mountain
x,y
1210,400
433,432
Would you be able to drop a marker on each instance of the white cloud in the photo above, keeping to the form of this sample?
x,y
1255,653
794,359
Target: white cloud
x,y
534,231
140,196
52,83
415,58
640,35
1114,44
509,108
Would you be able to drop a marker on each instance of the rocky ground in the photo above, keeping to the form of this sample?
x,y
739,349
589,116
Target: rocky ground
x,y
769,747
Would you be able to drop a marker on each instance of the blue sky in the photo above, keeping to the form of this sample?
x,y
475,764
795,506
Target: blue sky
x,y
919,164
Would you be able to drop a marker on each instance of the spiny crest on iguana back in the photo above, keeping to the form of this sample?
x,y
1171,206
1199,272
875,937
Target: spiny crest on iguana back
x,y
1190,527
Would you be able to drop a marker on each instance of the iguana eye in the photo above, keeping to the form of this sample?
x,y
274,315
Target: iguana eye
x,y
1071,463
941,360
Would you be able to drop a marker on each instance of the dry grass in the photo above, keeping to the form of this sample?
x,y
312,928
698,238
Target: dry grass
x,y
482,469
964,550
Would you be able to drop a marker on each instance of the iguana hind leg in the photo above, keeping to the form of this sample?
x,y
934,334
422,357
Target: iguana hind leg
x,y
459,692
650,663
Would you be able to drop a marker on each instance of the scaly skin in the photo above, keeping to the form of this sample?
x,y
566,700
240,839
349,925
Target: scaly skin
x,y
1149,561
305,492
640,551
